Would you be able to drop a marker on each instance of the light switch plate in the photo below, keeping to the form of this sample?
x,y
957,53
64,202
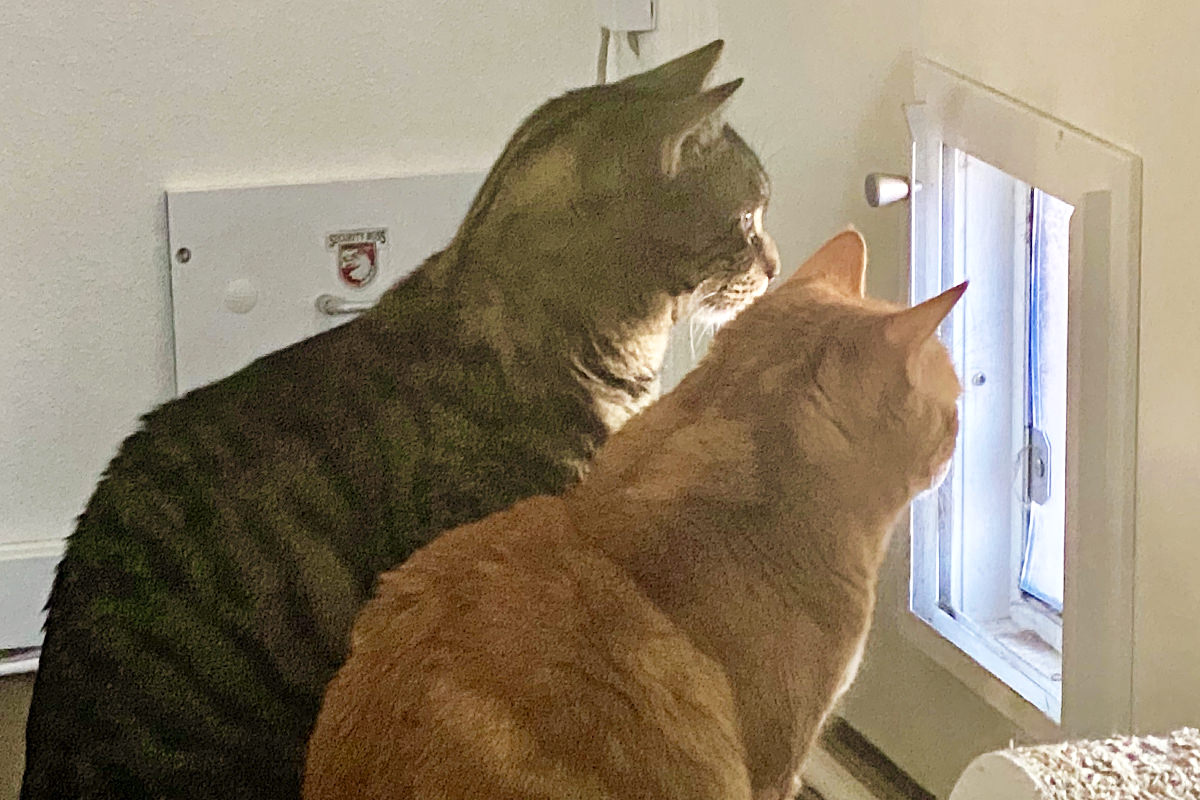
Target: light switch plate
x,y
626,15
248,264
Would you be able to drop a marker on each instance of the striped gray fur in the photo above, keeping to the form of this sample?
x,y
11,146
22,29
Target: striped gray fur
x,y
206,596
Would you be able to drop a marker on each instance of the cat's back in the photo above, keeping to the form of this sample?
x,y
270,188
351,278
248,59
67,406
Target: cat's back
x,y
225,454
312,407
507,659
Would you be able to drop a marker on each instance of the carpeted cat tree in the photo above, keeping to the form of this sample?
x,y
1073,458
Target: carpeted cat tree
x,y
1124,768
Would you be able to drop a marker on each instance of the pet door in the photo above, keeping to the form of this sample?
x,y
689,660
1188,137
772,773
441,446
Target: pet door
x,y
1023,558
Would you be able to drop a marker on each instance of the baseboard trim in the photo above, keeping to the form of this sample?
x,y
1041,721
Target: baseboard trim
x,y
846,766
831,780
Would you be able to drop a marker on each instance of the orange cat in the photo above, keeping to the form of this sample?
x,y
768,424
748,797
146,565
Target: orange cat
x,y
680,624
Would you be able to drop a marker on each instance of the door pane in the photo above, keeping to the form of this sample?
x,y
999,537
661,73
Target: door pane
x,y
1042,564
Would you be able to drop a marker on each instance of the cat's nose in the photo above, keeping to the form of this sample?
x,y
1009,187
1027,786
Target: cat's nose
x,y
770,256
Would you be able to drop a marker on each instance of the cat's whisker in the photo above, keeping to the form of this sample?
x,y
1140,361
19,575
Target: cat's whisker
x,y
692,324
700,301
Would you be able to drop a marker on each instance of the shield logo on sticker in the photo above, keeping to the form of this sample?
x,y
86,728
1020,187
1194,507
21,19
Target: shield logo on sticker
x,y
358,263
358,254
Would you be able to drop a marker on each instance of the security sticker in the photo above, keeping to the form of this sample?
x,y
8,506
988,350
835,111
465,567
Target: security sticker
x,y
358,254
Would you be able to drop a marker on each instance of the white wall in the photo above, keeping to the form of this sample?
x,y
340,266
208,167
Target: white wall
x,y
107,103
821,104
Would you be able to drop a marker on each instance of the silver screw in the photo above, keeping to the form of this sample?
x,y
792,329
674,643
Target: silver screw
x,y
978,379
183,255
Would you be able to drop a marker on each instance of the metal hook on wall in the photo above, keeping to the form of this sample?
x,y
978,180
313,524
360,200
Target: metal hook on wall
x,y
335,306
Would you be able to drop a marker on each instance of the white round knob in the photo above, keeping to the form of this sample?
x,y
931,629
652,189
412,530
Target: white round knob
x,y
883,190
240,296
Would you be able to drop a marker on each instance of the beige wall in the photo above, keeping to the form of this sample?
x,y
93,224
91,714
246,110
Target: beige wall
x,y
821,104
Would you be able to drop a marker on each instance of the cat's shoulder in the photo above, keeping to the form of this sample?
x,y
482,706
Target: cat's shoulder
x,y
525,524
505,546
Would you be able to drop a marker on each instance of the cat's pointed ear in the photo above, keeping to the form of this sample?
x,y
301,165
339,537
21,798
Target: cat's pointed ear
x,y
841,262
680,118
911,327
681,76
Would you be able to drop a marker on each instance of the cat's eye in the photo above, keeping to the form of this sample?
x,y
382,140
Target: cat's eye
x,y
751,224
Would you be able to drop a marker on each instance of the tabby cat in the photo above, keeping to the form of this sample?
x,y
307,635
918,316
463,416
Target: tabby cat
x,y
206,597
678,625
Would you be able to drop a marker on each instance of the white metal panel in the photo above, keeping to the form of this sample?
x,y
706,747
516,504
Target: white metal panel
x,y
247,264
